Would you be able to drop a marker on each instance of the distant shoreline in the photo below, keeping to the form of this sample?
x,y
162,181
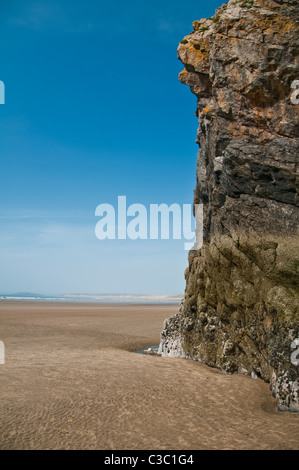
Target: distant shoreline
x,y
85,302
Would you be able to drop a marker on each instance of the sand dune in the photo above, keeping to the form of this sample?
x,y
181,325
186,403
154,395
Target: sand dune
x,y
72,381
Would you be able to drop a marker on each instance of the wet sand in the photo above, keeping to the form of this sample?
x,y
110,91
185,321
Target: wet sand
x,y
72,381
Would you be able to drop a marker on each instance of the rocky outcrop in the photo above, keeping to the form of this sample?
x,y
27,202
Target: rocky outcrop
x,y
240,310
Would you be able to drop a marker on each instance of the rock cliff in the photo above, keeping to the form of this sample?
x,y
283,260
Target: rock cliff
x,y
240,310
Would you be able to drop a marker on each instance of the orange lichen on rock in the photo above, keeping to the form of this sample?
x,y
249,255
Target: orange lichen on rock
x,y
195,54
207,111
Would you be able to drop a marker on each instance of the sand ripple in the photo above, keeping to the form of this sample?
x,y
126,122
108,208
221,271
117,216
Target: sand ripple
x,y
71,382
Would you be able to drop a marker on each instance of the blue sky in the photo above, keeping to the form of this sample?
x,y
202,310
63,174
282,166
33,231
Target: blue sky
x,y
93,109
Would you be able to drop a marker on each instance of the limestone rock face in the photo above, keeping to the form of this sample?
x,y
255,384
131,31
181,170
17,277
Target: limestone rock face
x,y
240,311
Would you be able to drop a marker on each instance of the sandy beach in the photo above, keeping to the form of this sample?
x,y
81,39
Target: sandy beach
x,y
73,381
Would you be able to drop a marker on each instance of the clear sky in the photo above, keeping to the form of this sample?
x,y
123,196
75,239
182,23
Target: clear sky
x,y
93,109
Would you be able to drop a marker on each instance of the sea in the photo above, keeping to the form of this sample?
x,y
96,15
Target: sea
x,y
97,298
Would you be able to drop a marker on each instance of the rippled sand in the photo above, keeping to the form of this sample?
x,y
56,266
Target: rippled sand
x,y
72,381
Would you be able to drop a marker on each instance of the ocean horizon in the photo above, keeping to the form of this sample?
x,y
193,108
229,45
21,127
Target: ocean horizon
x,y
97,298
